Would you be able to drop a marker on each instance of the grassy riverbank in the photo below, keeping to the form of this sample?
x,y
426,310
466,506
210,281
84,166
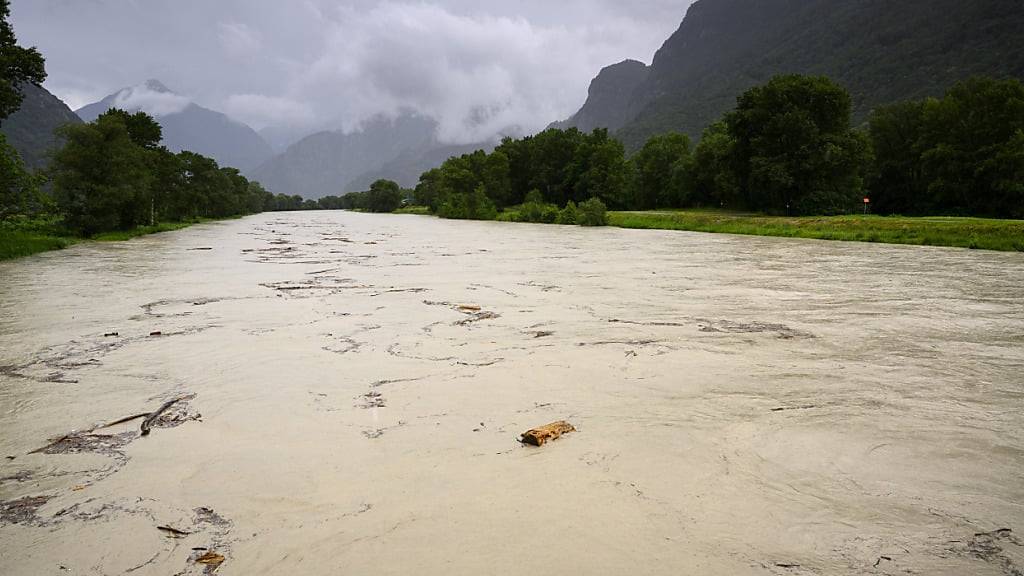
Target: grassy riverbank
x,y
31,236
979,233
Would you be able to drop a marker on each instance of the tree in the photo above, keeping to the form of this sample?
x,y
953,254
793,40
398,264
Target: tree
x,y
98,177
19,189
661,167
714,178
384,196
428,190
599,169
897,184
973,159
794,149
17,65
143,129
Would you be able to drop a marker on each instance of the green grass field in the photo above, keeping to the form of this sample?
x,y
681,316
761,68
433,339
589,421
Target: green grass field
x,y
978,233
30,236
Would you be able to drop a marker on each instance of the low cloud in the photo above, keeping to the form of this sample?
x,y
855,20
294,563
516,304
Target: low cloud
x,y
478,68
153,102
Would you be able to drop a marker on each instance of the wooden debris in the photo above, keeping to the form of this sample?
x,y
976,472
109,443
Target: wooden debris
x,y
109,334
210,559
468,308
156,333
540,436
152,418
121,421
173,532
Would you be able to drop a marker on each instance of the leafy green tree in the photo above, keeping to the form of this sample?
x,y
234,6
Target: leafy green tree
x,y
19,189
98,177
794,149
974,161
496,181
17,65
599,169
143,129
714,179
661,167
897,183
428,190
384,196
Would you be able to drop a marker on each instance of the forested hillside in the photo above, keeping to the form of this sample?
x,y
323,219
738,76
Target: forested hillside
x,y
32,129
881,51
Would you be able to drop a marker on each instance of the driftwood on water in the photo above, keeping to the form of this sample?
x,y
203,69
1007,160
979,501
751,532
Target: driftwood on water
x,y
154,416
150,419
539,436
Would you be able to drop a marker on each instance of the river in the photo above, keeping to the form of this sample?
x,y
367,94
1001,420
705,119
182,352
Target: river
x,y
351,388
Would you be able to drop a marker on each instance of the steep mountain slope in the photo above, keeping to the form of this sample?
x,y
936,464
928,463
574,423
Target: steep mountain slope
x,y
188,126
609,98
880,50
31,129
332,163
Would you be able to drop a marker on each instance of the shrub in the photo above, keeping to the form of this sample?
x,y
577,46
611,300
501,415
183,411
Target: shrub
x,y
568,214
592,212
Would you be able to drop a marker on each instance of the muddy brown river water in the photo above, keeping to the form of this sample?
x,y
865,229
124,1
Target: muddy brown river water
x,y
744,405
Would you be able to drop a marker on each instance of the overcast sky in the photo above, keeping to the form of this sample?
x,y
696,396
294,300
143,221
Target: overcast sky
x,y
477,66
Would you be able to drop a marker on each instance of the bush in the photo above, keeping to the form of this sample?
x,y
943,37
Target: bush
x,y
534,209
592,212
568,214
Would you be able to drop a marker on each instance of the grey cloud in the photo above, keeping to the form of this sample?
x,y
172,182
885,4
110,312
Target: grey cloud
x,y
479,68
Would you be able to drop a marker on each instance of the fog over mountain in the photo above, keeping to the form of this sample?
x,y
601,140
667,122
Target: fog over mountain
x,y
290,69
186,125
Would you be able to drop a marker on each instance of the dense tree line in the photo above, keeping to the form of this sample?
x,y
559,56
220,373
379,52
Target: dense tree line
x,y
112,174
788,147
960,154
383,196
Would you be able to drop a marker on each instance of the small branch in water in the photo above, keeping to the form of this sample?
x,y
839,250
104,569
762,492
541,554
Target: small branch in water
x,y
152,418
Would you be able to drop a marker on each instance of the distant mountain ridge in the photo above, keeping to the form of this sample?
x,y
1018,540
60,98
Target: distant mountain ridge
x,y
188,126
334,163
31,130
882,51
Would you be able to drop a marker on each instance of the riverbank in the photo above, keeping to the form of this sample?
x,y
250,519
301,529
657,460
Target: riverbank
x,y
977,233
20,239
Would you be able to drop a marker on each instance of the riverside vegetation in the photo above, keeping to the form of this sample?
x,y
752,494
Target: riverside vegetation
x,y
785,162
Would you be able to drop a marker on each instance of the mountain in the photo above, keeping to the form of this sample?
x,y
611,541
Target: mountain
x,y
882,51
281,137
609,97
31,129
188,126
333,163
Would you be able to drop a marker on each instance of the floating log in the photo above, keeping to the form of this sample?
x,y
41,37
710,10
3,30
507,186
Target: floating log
x,y
539,436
